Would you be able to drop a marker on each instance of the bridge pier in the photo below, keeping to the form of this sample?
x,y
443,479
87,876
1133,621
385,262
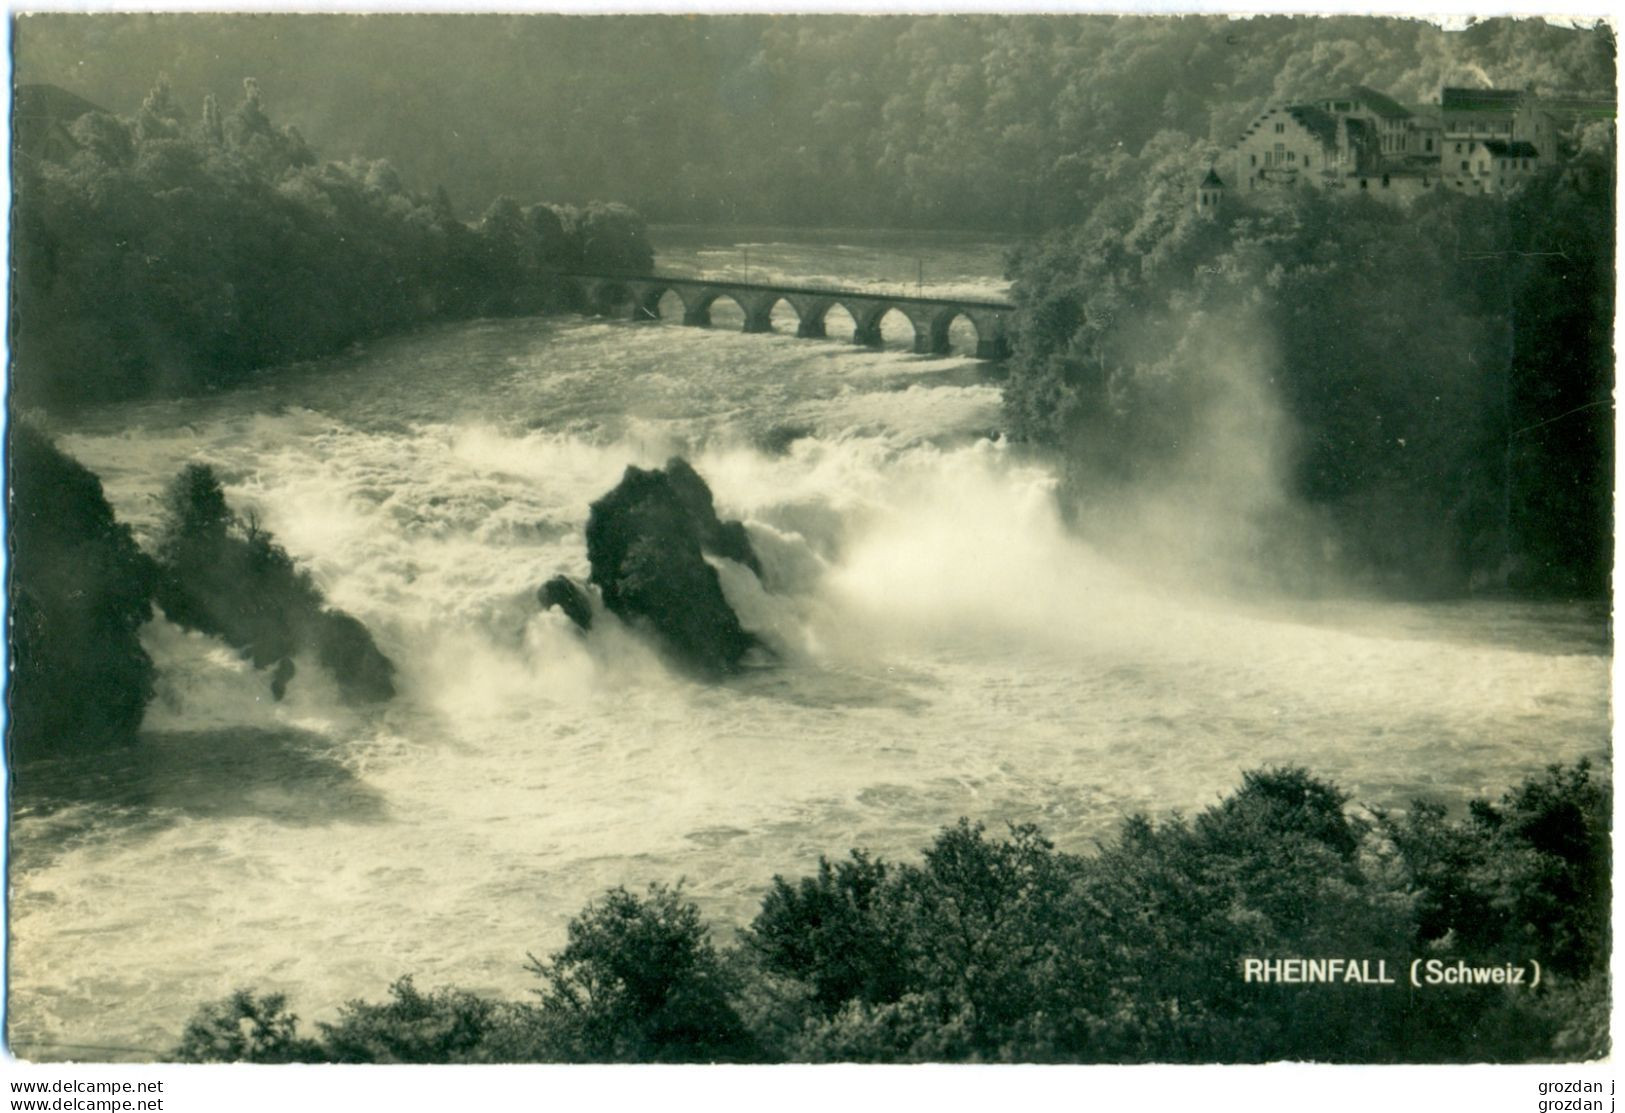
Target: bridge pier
x,y
646,302
810,313
759,312
698,316
868,335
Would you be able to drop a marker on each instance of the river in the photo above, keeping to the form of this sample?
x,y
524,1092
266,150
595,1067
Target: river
x,y
945,649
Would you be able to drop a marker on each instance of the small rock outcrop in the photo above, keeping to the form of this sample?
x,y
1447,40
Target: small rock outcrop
x,y
225,576
568,596
719,538
346,650
646,542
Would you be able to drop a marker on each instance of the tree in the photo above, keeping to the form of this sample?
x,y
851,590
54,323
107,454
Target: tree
x,y
226,576
445,1026
81,591
639,981
245,1028
830,930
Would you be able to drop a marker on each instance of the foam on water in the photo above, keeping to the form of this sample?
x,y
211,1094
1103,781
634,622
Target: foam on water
x,y
944,648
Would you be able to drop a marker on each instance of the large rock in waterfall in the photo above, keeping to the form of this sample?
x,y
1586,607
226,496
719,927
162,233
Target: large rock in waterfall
x,y
646,541
224,575
80,591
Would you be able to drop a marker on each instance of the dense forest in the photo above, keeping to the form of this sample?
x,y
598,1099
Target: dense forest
x,y
172,252
998,949
1421,397
1010,122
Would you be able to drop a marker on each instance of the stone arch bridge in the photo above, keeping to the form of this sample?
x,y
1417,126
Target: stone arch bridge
x,y
638,298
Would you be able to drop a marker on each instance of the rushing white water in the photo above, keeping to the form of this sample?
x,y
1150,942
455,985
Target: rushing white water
x,y
945,649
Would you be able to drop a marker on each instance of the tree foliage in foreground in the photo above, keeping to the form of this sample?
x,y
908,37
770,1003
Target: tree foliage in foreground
x,y
1008,950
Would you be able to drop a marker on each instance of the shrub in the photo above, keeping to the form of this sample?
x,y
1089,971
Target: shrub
x,y
974,954
829,931
639,981
1525,876
445,1026
244,1028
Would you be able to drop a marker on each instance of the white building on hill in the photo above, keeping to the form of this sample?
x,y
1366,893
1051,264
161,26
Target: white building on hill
x,y
1362,142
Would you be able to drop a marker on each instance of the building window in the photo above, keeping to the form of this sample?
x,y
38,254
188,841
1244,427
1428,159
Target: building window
x,y
1427,145
1252,160
1362,183
1385,181
1280,129
1458,151
1464,166
1306,162
1292,156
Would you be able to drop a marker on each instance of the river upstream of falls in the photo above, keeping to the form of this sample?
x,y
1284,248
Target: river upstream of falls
x,y
945,649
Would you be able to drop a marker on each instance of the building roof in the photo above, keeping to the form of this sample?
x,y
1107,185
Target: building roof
x,y
1212,180
1318,122
1590,108
1481,100
39,124
1518,149
1380,103
50,102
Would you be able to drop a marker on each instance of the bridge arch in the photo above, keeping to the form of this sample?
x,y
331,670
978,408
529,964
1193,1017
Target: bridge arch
x,y
707,300
942,327
870,325
781,307
670,305
992,334
844,325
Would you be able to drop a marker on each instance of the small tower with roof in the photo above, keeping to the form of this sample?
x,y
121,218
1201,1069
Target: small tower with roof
x,y
1209,194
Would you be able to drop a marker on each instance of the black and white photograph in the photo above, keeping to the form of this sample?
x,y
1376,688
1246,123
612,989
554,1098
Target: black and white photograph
x,y
846,538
